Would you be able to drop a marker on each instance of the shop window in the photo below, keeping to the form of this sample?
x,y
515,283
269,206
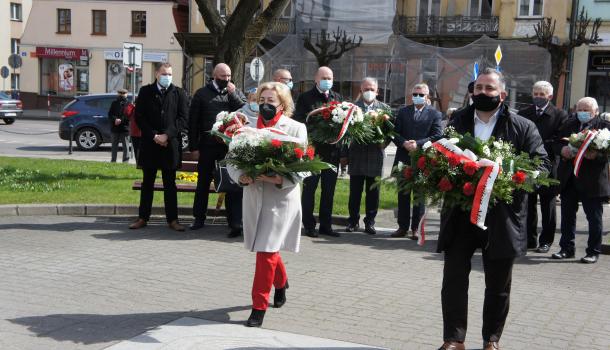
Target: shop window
x,y
530,8
64,21
63,78
98,21
119,77
15,79
15,12
15,46
138,23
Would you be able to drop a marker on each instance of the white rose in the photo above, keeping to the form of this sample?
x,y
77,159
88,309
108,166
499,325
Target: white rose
x,y
486,151
426,145
454,140
535,174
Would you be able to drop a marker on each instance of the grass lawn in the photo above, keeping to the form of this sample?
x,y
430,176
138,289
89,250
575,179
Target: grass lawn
x,y
34,180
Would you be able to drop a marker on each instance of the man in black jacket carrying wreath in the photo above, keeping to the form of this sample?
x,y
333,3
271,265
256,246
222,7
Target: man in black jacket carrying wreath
x,y
217,96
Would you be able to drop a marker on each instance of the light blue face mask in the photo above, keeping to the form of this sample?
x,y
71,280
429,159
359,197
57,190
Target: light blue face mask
x,y
419,100
583,117
326,85
165,80
254,106
290,85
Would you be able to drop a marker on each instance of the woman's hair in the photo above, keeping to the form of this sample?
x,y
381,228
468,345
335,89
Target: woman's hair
x,y
283,94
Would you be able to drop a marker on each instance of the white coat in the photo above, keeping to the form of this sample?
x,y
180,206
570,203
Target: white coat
x,y
272,214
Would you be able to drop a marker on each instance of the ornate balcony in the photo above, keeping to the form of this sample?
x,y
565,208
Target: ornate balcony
x,y
453,26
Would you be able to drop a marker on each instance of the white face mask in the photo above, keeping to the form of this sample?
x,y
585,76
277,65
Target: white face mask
x,y
369,96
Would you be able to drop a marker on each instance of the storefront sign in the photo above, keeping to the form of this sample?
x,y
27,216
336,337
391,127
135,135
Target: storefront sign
x,y
62,52
117,55
600,62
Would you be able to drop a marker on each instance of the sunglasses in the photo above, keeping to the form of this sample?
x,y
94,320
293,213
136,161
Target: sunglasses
x,y
419,95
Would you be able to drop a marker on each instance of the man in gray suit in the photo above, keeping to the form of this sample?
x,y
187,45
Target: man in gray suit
x,y
415,125
365,164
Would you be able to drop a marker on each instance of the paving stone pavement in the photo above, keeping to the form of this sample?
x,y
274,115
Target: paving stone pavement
x,y
76,282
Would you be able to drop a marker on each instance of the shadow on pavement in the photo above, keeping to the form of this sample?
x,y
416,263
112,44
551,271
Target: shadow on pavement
x,y
92,328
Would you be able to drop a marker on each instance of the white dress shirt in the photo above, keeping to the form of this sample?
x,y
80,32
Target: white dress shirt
x,y
482,129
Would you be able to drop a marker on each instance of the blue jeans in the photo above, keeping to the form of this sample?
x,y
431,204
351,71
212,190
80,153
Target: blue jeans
x,y
593,207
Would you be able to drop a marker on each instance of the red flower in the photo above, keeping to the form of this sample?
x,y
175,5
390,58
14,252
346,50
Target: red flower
x,y
326,114
427,172
471,167
421,163
407,172
519,177
299,153
454,160
445,185
310,152
468,189
276,143
433,162
221,128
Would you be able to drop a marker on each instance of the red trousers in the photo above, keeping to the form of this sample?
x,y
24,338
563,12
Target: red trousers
x,y
270,271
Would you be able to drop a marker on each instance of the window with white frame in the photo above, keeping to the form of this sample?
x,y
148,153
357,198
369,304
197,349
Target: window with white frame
x,y
530,8
14,46
287,11
480,8
15,12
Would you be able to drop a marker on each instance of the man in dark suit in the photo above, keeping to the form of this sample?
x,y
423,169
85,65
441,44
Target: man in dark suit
x,y
591,187
505,236
365,164
217,96
320,94
161,114
415,125
548,120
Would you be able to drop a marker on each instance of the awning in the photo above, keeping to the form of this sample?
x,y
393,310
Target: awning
x,y
197,43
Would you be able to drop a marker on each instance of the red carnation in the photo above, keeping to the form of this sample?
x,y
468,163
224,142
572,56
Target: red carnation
x,y
445,185
421,163
471,167
326,114
454,160
407,172
433,162
221,128
298,153
519,177
468,189
310,152
276,143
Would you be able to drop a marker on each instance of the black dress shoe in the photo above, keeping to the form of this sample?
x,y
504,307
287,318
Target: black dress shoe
x,y
370,229
399,233
589,259
256,318
235,232
311,232
563,254
279,298
197,224
544,248
352,227
329,232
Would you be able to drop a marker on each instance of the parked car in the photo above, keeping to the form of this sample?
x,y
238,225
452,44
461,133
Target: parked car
x,y
86,117
10,109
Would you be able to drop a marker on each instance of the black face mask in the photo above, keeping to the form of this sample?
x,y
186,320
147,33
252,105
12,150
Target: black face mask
x,y
222,84
267,111
485,103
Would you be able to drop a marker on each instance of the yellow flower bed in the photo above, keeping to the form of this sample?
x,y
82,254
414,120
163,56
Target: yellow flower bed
x,y
188,177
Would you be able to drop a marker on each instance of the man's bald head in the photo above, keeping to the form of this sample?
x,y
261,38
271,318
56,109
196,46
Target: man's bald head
x,y
222,72
324,73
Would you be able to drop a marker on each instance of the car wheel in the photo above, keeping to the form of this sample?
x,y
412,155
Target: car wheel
x,y
9,121
184,138
88,139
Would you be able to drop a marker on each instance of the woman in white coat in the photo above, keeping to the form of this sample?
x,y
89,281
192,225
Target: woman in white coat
x,y
271,207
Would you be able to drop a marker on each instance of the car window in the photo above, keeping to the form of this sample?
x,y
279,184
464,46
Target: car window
x,y
102,103
4,96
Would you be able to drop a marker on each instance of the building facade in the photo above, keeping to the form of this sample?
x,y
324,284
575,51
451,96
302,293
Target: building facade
x,y
13,18
75,47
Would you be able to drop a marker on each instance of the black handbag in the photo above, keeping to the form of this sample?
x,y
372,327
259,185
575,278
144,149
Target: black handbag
x,y
222,180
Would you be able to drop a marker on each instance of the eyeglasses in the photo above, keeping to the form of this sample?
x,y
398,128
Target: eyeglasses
x,y
419,95
286,80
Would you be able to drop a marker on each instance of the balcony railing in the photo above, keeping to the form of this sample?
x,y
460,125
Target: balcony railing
x,y
449,25
283,26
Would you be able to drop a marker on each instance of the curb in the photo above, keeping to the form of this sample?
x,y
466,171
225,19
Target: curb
x,y
106,210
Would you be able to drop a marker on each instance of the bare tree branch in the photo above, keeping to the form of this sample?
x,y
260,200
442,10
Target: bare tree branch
x,y
329,47
211,17
264,23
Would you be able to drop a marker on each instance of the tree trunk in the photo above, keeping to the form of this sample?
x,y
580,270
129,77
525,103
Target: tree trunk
x,y
235,57
559,56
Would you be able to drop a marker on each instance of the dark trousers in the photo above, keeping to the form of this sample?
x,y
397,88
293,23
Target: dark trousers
x,y
123,138
548,217
356,185
135,141
404,212
454,295
594,209
170,196
208,156
328,178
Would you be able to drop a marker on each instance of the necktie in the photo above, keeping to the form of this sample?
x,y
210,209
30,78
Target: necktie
x,y
539,112
163,91
417,114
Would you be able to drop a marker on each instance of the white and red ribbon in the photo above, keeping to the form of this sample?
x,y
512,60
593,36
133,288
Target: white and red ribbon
x,y
583,148
345,124
421,229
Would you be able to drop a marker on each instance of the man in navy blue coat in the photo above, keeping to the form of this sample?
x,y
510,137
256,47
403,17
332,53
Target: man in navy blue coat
x,y
415,125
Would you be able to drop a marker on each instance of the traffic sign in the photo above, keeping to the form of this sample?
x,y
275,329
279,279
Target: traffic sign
x,y
4,72
14,61
257,69
132,55
498,55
